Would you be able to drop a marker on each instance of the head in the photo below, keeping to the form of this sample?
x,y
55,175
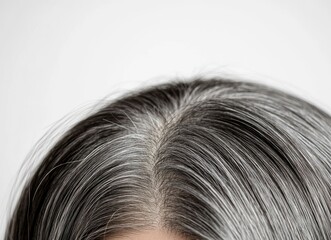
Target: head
x,y
188,159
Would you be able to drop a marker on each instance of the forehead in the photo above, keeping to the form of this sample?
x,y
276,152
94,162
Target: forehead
x,y
148,235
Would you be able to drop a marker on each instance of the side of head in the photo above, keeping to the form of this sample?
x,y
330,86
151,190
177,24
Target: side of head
x,y
205,158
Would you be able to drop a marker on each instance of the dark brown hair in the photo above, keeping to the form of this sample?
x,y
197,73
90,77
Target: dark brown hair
x,y
207,158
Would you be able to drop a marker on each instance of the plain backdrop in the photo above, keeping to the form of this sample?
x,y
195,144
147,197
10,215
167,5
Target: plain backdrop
x,y
58,58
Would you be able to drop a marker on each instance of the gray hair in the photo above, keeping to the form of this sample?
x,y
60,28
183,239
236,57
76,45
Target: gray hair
x,y
209,158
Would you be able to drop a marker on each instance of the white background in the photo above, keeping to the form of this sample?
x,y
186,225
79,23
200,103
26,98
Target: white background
x,y
59,57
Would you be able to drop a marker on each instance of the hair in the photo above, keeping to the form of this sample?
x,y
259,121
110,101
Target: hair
x,y
208,158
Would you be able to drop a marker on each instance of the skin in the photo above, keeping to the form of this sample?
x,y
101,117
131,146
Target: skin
x,y
156,234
